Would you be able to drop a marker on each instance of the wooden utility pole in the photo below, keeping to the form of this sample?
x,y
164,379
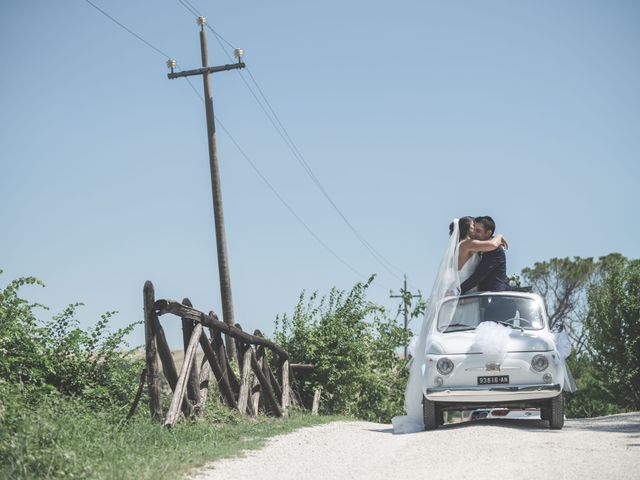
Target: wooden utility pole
x,y
406,297
221,241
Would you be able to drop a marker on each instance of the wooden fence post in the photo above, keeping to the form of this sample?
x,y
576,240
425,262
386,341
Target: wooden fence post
x,y
244,382
193,390
255,389
218,372
189,355
239,349
316,402
164,352
205,375
296,398
286,393
221,353
270,397
150,352
271,378
134,405
166,359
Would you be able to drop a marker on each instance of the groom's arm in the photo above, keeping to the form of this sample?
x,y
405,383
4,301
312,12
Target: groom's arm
x,y
488,263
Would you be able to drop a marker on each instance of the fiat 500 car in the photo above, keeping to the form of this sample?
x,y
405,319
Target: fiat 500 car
x,y
511,362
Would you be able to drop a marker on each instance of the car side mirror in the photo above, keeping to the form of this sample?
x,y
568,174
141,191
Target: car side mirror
x,y
557,327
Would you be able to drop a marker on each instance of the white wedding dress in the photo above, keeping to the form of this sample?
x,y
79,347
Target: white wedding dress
x,y
468,268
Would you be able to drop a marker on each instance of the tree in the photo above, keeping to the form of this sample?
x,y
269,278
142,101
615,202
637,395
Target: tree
x,y
613,330
564,283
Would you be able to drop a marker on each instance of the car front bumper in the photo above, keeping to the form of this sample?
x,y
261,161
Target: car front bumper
x,y
493,393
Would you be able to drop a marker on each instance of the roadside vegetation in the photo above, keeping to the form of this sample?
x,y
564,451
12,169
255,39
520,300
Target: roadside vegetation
x,y
64,397
65,392
354,346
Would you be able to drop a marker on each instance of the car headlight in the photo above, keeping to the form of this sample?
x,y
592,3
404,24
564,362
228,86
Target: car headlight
x,y
539,363
444,366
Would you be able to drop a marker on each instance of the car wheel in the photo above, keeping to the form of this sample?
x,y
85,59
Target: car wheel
x,y
430,414
556,412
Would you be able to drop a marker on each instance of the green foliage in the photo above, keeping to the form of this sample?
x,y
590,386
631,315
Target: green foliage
x,y
613,326
352,343
58,355
588,400
599,303
62,437
563,283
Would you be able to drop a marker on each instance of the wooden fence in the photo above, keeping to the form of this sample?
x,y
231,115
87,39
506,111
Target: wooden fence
x,y
256,386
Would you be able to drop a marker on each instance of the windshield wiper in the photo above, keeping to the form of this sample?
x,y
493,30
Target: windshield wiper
x,y
468,327
508,325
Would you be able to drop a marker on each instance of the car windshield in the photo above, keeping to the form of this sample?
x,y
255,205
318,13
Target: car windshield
x,y
467,312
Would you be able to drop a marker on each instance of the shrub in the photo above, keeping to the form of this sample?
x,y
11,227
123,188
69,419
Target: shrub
x,y
57,354
352,343
613,327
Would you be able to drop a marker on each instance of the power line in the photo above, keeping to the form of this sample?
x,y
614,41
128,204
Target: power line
x,y
275,192
186,4
127,29
237,145
282,131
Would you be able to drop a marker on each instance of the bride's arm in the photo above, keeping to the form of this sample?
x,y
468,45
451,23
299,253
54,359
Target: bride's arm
x,y
487,245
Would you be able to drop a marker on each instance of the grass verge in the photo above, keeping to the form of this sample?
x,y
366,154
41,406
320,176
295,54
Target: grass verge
x,y
57,437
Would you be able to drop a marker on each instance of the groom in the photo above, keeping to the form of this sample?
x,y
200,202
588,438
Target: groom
x,y
491,273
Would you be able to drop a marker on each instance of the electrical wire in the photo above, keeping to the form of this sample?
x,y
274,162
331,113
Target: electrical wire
x,y
284,134
127,29
240,149
275,192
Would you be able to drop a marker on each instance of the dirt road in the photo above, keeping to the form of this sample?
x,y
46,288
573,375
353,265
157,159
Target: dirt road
x,y
601,448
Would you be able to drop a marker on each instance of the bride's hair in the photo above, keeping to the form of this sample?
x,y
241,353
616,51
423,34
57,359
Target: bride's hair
x,y
463,226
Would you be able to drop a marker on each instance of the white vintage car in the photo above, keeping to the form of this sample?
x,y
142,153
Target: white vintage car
x,y
509,362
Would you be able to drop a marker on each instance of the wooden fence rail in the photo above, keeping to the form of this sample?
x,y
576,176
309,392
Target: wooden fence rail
x,y
257,385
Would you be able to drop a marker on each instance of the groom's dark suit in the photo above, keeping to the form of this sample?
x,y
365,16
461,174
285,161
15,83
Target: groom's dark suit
x,y
491,273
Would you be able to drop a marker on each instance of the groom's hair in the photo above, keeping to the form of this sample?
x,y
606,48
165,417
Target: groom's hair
x,y
487,222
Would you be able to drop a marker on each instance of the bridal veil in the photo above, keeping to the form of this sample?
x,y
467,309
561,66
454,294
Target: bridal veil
x,y
447,283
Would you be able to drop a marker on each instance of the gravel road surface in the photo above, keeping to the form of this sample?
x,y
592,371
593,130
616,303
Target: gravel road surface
x,y
599,448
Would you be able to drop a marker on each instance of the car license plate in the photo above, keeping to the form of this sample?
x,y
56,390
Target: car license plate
x,y
493,380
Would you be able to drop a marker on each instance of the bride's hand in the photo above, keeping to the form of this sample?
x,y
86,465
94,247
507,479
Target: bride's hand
x,y
503,242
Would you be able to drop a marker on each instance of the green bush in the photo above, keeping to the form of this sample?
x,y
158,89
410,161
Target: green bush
x,y
613,331
588,401
56,354
352,343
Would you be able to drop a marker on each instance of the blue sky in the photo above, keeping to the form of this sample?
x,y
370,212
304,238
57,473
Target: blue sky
x,y
410,113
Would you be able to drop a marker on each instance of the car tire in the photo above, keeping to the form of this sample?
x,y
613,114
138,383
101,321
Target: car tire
x,y
440,416
430,414
556,412
544,413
